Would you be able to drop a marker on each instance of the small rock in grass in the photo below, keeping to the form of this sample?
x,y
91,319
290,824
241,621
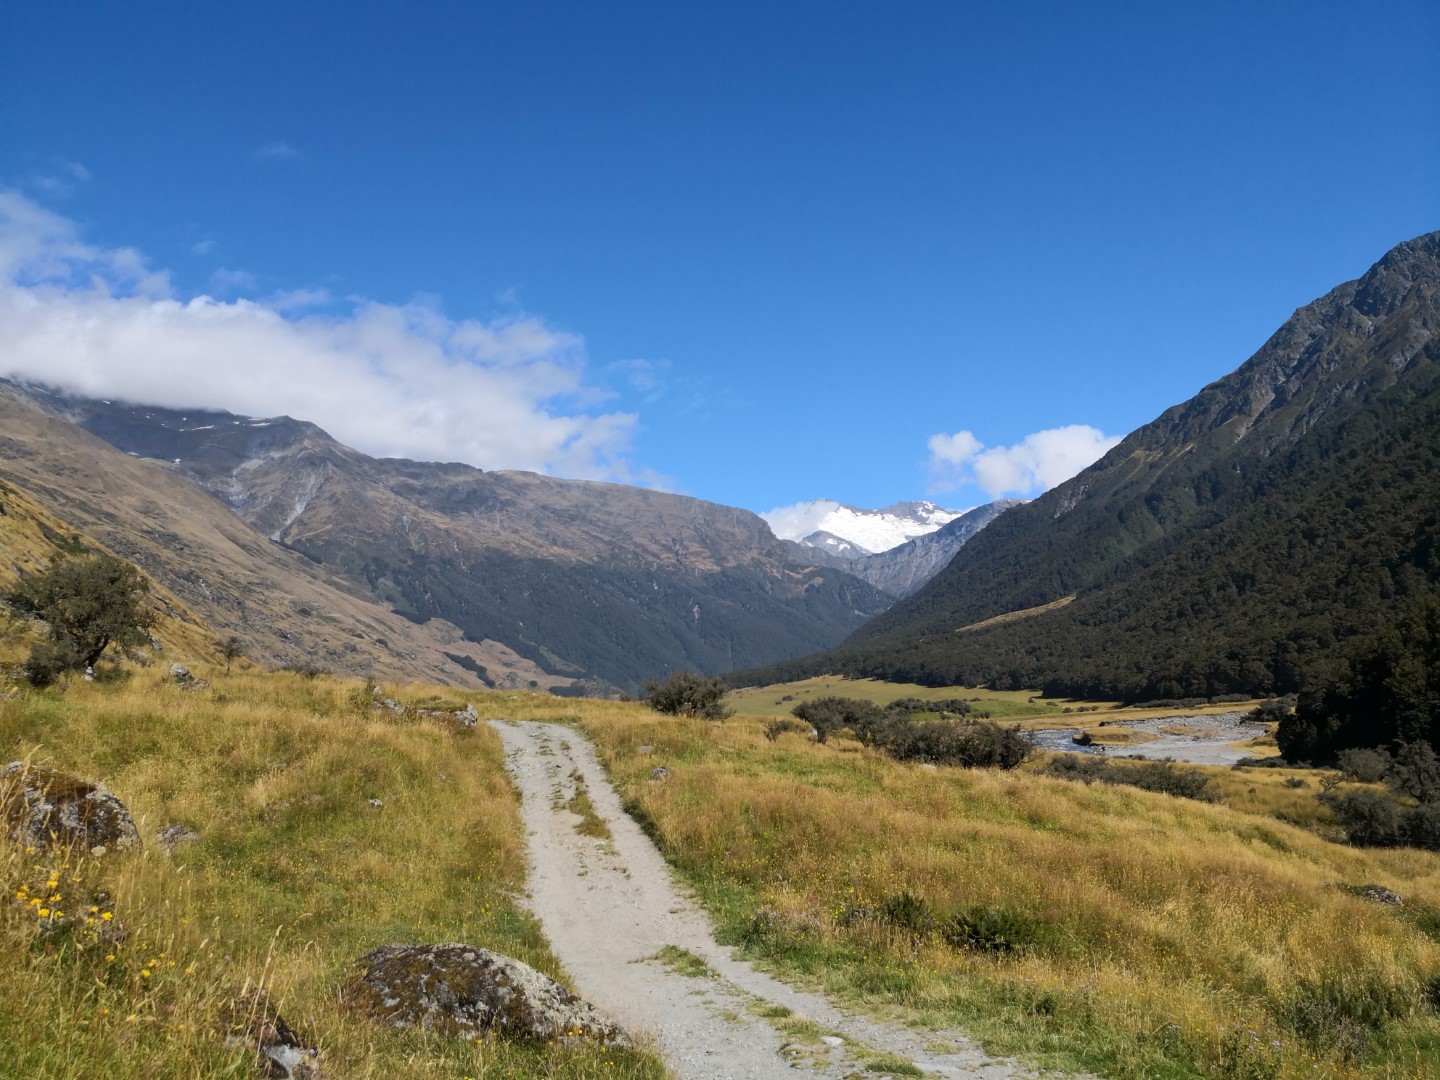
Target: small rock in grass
x,y
375,804
832,1041
252,1022
175,836
645,750
659,773
1381,895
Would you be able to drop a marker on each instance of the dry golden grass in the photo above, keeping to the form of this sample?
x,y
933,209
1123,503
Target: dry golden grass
x,y
1162,937
295,876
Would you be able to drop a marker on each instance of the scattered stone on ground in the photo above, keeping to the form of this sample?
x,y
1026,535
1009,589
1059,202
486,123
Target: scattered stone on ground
x,y
44,807
1381,895
659,773
175,836
460,990
375,804
179,672
252,1022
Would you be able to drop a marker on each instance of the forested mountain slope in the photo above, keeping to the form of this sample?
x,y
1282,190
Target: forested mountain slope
x,y
1240,538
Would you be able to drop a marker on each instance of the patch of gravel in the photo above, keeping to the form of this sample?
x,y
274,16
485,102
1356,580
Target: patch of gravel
x,y
1208,743
610,906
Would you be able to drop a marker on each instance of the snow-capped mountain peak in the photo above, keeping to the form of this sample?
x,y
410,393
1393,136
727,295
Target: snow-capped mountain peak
x,y
851,532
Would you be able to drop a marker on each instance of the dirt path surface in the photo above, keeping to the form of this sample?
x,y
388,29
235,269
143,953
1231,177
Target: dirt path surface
x,y
609,908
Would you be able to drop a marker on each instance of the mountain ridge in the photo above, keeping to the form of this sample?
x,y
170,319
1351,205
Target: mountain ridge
x,y
581,578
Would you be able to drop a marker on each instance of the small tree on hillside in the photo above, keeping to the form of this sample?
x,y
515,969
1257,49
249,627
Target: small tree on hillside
x,y
687,693
89,604
231,649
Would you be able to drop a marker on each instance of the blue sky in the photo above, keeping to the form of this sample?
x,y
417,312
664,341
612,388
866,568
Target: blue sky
x,y
758,253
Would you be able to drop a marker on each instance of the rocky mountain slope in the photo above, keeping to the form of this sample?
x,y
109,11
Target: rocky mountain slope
x,y
286,609
850,532
584,580
901,570
1241,537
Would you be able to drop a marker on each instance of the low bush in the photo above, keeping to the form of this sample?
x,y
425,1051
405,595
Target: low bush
x,y
1158,776
906,911
1341,1013
969,743
992,930
1364,766
687,693
1370,818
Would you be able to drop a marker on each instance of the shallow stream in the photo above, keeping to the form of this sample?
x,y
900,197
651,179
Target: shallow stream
x,y
1209,742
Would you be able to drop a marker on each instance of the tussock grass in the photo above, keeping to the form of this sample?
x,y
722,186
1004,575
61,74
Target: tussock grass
x,y
295,876
1082,927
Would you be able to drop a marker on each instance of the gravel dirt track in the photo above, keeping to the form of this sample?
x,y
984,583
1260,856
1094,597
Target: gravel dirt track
x,y
610,906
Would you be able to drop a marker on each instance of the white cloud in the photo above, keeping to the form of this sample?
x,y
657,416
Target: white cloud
x,y
392,380
276,150
800,519
202,247
1035,464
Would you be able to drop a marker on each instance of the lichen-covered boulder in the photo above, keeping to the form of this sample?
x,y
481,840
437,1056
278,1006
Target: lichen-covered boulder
x,y
460,990
46,808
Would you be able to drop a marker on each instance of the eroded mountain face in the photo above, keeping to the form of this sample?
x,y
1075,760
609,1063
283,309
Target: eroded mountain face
x,y
585,580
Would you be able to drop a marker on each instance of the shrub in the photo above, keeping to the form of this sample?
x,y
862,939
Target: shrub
x,y
49,661
1364,766
991,929
828,715
775,728
909,912
1416,772
1369,818
1157,776
1340,1014
687,693
969,743
1273,710
1420,826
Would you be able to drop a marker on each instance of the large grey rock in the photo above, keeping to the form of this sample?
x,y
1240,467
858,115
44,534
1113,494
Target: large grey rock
x,y
46,808
460,990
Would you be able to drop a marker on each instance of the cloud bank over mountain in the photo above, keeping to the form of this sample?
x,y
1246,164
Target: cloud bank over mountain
x,y
402,380
1034,465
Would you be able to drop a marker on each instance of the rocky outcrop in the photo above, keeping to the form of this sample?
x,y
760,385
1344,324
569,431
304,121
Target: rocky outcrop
x,y
460,990
46,808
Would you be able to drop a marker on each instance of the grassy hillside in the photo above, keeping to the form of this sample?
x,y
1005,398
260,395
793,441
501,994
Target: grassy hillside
x,y
32,538
295,875
1110,929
